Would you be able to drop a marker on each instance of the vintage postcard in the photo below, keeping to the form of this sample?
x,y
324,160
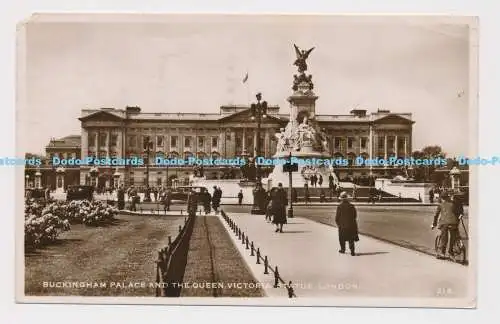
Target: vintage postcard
x,y
247,159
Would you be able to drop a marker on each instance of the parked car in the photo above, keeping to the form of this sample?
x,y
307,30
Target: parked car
x,y
181,192
79,193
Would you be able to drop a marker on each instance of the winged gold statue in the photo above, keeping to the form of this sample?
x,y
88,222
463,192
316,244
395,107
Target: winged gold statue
x,y
302,56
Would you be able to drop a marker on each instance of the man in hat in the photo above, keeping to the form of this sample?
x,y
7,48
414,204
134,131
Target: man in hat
x,y
345,219
447,218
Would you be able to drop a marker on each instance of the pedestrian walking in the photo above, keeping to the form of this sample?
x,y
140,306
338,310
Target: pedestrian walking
x,y
166,199
240,197
307,196
320,180
278,207
269,197
216,197
206,198
192,203
431,196
345,219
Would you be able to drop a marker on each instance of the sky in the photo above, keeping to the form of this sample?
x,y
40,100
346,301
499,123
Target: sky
x,y
196,64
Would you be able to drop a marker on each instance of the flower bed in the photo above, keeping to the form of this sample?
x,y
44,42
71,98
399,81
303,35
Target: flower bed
x,y
44,221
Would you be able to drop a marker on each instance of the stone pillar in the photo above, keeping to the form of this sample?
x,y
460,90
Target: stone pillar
x,y
85,143
108,143
255,142
266,143
406,147
370,148
244,141
396,145
385,147
232,144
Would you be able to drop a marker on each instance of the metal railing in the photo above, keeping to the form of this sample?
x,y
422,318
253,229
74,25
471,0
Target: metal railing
x,y
255,251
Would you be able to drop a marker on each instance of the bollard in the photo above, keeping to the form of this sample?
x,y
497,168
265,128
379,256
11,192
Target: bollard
x,y
276,277
243,238
185,220
258,255
169,240
266,264
252,250
180,228
181,211
246,242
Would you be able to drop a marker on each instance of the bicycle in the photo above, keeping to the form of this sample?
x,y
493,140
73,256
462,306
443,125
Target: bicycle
x,y
459,248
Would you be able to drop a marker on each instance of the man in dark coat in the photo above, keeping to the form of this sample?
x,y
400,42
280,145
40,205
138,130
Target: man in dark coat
x,y
121,198
192,203
447,218
240,197
278,207
346,223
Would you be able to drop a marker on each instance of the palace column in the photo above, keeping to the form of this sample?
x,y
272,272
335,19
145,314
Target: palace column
x,y
255,143
385,147
396,145
266,143
108,143
370,147
406,147
244,141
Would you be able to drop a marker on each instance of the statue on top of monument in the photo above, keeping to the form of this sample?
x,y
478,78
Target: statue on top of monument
x,y
302,56
282,145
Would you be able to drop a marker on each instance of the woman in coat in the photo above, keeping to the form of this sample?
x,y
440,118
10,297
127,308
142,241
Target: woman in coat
x,y
278,207
347,224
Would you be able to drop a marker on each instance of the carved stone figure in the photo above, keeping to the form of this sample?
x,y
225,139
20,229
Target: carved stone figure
x,y
302,56
282,144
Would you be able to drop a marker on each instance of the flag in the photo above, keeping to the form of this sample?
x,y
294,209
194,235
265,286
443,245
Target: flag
x,y
245,78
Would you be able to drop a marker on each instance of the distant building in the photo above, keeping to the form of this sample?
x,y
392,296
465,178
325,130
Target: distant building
x,y
56,176
110,132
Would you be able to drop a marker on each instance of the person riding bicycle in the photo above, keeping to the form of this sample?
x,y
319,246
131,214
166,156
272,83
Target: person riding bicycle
x,y
449,214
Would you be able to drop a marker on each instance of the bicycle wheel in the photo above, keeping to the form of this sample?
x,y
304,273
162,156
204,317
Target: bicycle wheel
x,y
436,244
460,251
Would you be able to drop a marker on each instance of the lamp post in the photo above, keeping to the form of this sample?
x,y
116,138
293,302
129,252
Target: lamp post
x,y
148,146
259,111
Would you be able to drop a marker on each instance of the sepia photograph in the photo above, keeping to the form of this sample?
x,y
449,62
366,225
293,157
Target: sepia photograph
x,y
247,159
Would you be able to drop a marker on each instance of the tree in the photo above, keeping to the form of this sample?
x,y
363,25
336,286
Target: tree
x,y
425,172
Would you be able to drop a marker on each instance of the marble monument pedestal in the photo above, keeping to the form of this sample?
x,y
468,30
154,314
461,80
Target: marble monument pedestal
x,y
308,165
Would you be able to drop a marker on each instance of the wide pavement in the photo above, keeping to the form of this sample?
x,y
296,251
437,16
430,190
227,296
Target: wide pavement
x,y
407,226
307,254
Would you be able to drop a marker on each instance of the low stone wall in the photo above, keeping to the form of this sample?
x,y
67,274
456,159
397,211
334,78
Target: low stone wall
x,y
419,191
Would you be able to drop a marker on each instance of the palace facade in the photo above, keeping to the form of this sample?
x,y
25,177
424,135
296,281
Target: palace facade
x,y
110,132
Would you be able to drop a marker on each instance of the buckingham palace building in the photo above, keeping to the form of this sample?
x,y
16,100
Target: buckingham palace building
x,y
120,133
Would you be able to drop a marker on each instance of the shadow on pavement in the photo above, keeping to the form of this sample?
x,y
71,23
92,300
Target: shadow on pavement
x,y
370,253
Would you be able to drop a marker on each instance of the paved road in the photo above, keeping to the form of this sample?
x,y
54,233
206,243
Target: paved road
x,y
306,254
407,226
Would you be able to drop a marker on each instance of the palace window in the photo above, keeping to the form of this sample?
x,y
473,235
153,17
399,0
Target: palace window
x,y
132,141
201,142
381,142
102,139
187,141
173,141
401,144
238,142
390,143
114,140
215,142
364,140
92,138
159,141
337,142
350,141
